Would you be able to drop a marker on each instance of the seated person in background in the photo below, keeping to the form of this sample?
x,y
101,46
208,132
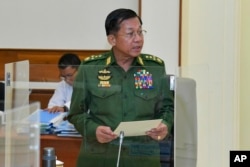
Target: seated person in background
x,y
68,66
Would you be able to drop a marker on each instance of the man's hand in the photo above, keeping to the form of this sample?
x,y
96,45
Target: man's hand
x,y
158,133
104,134
55,109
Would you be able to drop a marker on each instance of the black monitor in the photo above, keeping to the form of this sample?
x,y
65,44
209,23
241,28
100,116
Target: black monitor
x,y
2,96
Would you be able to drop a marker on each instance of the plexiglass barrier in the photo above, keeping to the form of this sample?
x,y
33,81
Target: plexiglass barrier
x,y
20,137
138,94
21,78
16,84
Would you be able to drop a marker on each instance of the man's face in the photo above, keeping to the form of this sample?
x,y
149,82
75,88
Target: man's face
x,y
68,74
128,41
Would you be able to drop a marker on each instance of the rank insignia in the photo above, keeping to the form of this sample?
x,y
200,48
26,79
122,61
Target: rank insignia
x,y
143,80
104,76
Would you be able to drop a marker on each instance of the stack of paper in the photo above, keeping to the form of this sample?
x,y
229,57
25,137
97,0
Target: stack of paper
x,y
51,118
54,123
66,129
49,121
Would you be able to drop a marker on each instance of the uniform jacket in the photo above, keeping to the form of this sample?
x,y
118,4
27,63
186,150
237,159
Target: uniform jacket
x,y
105,94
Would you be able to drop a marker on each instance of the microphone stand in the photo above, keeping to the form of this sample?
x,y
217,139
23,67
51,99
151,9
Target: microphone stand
x,y
120,145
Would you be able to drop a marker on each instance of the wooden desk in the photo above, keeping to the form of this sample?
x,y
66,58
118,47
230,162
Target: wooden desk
x,y
66,148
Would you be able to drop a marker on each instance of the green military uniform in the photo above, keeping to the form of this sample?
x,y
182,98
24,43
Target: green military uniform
x,y
105,94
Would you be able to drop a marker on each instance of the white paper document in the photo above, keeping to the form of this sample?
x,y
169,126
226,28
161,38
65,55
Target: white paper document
x,y
136,128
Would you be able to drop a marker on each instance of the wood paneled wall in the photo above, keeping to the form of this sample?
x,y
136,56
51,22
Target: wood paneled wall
x,y
39,59
43,66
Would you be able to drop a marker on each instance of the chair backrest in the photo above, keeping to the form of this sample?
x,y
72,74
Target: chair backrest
x,y
180,148
185,128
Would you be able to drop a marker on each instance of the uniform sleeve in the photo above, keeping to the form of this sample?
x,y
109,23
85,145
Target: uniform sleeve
x,y
165,107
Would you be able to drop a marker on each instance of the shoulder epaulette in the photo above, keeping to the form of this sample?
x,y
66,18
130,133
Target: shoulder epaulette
x,y
94,57
152,58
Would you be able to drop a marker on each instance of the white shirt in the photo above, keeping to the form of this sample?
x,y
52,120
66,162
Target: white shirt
x,y
61,96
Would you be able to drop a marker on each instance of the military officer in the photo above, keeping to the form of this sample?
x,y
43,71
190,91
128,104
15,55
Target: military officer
x,y
121,85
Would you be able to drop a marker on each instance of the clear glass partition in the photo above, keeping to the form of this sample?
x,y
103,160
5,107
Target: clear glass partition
x,y
21,78
16,84
19,132
133,91
20,137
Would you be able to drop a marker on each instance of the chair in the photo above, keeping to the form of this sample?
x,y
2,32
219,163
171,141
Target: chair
x,y
186,123
180,149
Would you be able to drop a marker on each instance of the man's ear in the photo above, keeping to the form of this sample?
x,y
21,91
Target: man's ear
x,y
111,39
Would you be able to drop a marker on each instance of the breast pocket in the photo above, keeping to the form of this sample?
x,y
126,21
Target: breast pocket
x,y
145,101
103,100
146,94
104,93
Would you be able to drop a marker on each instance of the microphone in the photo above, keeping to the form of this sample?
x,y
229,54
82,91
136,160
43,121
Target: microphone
x,y
121,137
120,145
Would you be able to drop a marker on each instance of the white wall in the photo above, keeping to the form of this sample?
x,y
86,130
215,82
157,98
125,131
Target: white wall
x,y
210,52
57,24
79,24
161,20
244,76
